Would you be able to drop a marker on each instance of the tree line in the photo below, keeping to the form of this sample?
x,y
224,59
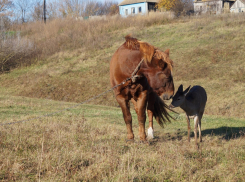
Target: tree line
x,y
22,11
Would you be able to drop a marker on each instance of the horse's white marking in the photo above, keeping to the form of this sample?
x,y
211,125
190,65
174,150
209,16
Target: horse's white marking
x,y
150,133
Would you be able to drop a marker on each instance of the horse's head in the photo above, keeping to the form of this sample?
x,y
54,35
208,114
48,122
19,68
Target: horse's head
x,y
158,70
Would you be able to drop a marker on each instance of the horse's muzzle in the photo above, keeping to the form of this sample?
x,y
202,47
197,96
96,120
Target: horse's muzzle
x,y
166,96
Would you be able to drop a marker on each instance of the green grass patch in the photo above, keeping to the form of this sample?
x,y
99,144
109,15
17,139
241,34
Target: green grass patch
x,y
87,143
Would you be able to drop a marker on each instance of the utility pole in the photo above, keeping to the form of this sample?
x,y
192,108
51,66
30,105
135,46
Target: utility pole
x,y
44,11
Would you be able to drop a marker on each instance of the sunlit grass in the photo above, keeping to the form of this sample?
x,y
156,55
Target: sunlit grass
x,y
88,143
206,50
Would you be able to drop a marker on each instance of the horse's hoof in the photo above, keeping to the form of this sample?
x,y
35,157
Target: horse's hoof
x,y
128,141
150,133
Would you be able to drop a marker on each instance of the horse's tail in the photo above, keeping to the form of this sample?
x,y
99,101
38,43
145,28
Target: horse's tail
x,y
160,111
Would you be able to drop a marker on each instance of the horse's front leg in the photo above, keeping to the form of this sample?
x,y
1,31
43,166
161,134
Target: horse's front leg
x,y
141,106
150,110
124,104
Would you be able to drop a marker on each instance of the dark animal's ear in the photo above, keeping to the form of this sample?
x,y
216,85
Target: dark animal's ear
x,y
167,52
186,90
180,89
147,51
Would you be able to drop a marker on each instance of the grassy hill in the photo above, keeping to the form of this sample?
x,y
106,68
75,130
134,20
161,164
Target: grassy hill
x,y
206,50
70,64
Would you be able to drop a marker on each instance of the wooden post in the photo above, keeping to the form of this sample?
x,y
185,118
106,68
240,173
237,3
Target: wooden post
x,y
44,11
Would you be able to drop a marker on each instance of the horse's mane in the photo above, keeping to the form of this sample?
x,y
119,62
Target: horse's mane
x,y
146,49
132,43
160,55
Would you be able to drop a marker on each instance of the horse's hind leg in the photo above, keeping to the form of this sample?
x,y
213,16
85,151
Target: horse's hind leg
x,y
150,109
141,105
150,134
150,131
124,104
135,105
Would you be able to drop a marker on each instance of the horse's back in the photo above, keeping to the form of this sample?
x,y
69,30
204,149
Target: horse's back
x,y
122,63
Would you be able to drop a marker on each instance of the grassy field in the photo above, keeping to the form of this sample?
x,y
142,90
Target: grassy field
x,y
70,64
206,51
87,143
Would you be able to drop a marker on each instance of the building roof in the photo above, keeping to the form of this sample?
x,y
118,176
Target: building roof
x,y
124,2
242,1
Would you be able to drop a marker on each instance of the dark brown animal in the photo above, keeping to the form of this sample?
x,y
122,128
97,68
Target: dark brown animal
x,y
146,92
193,103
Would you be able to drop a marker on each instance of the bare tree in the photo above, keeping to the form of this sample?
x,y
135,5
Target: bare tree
x,y
24,7
5,6
114,9
5,12
93,8
73,8
108,8
77,8
53,10
37,11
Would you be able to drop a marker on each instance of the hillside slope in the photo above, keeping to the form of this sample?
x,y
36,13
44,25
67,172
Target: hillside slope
x,y
207,51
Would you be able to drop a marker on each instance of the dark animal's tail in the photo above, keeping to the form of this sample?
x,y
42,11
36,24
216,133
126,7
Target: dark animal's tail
x,y
160,111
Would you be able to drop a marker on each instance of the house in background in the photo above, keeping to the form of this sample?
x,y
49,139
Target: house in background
x,y
238,6
134,7
212,6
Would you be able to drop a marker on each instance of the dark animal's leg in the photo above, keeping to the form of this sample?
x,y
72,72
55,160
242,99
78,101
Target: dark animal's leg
x,y
199,127
196,121
188,126
141,105
124,104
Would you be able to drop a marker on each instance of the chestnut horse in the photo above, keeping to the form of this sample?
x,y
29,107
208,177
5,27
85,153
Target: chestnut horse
x,y
152,84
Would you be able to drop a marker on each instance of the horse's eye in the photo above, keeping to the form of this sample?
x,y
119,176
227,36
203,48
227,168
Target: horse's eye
x,y
162,64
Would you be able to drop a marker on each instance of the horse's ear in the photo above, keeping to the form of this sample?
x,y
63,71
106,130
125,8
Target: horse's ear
x,y
147,51
186,90
180,89
167,52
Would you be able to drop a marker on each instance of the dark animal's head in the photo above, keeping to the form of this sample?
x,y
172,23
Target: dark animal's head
x,y
159,70
179,97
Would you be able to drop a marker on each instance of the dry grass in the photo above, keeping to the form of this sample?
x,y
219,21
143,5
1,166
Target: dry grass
x,y
69,34
74,61
88,144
